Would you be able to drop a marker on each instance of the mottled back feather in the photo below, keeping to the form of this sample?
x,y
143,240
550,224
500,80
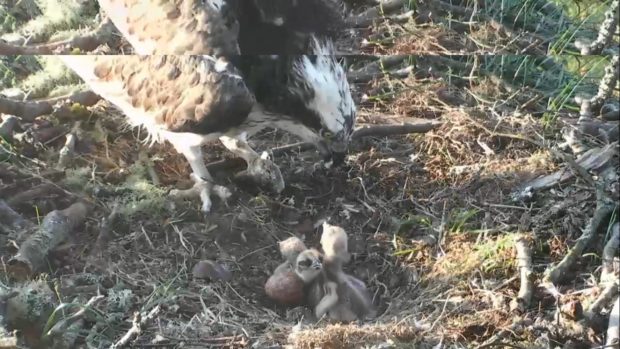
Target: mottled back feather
x,y
175,26
171,93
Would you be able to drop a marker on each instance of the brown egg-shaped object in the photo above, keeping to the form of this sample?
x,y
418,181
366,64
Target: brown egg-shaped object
x,y
285,288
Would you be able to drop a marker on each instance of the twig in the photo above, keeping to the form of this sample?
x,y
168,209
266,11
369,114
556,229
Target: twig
x,y
105,229
609,255
39,191
524,263
104,33
148,163
7,126
371,70
605,88
67,151
363,131
593,159
367,17
136,329
391,130
613,329
11,218
604,298
30,110
61,326
567,158
604,208
53,230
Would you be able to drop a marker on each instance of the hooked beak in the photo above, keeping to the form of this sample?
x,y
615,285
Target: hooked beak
x,y
334,153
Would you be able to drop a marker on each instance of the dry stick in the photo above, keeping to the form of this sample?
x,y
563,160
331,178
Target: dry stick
x,y
605,33
367,17
532,41
7,126
136,329
567,158
587,128
105,230
370,71
39,191
364,131
30,110
53,230
62,325
593,159
608,293
66,152
11,218
613,329
609,255
604,208
104,33
605,89
524,263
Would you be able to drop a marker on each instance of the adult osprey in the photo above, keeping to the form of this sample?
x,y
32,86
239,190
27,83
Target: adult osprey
x,y
223,27
191,100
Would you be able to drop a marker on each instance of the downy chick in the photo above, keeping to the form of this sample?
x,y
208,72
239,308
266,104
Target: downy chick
x,y
353,300
285,285
290,249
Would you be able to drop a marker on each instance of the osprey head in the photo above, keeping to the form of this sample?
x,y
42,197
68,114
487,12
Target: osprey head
x,y
321,83
274,11
309,265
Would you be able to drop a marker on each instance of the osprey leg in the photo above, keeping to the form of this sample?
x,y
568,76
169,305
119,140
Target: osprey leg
x,y
204,185
260,169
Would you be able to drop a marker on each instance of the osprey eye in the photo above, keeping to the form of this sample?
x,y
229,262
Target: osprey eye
x,y
328,134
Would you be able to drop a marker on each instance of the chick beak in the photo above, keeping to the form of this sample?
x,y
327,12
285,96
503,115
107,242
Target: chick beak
x,y
317,265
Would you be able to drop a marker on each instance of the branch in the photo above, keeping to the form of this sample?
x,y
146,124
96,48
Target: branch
x,y
7,126
87,42
30,110
392,130
61,326
605,89
613,330
363,131
575,135
608,293
54,229
66,152
604,208
593,159
605,33
373,69
136,329
524,263
106,226
609,255
367,17
36,192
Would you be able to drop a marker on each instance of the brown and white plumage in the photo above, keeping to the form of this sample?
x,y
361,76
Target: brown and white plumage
x,y
185,100
175,26
223,27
